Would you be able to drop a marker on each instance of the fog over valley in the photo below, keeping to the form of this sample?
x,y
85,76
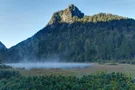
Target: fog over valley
x,y
49,65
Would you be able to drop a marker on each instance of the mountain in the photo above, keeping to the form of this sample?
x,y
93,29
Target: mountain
x,y
74,37
2,46
3,50
66,15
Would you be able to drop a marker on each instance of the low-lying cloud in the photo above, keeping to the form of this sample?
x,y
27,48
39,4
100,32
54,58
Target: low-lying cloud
x,y
49,65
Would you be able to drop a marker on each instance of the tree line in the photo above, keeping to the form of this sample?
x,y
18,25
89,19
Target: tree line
x,y
10,80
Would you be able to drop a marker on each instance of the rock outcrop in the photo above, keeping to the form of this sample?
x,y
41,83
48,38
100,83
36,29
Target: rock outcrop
x,y
66,15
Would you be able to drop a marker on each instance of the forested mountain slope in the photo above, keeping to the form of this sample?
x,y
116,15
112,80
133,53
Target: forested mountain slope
x,y
72,36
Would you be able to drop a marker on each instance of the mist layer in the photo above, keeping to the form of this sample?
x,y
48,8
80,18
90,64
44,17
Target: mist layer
x,y
49,65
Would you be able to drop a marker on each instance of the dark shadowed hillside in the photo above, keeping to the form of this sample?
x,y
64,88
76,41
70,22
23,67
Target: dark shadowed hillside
x,y
2,46
3,51
72,36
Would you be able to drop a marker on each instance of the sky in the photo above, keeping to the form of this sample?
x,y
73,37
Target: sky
x,y
20,19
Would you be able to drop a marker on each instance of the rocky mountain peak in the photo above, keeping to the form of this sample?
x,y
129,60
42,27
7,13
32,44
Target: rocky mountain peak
x,y
66,15
74,11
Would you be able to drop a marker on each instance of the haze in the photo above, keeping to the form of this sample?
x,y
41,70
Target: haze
x,y
49,65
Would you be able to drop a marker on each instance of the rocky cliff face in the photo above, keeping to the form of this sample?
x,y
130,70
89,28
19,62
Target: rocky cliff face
x,y
66,15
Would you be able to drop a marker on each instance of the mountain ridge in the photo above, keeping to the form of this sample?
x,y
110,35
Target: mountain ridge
x,y
73,14
2,46
66,15
3,51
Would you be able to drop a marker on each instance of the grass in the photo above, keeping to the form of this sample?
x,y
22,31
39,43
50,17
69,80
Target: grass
x,y
124,68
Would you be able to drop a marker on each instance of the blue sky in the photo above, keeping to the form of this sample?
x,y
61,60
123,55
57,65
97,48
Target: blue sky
x,y
20,19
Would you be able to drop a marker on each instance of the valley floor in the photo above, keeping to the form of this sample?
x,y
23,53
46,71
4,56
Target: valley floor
x,y
125,68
